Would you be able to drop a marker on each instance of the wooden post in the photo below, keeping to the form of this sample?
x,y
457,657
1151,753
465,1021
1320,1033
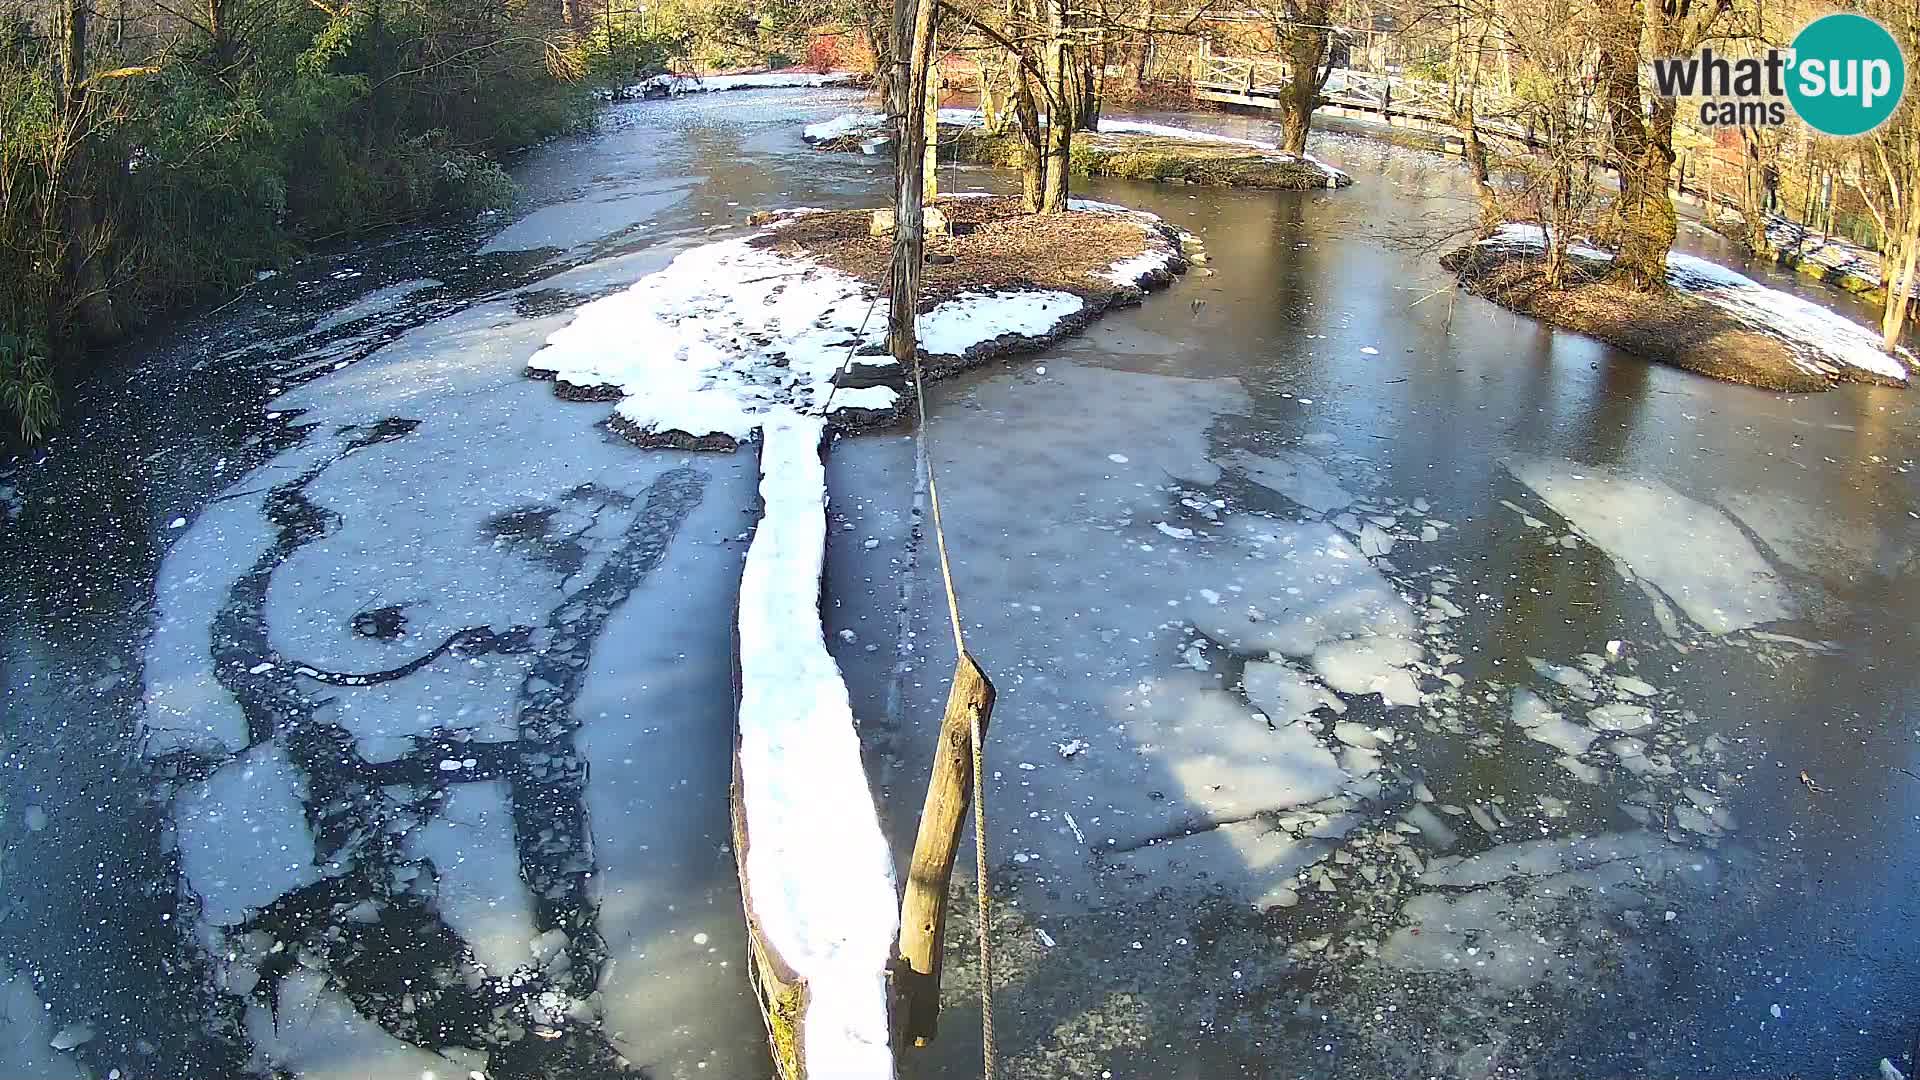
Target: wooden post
x,y
930,175
923,912
913,48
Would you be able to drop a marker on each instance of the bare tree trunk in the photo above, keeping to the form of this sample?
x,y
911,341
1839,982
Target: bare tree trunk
x,y
1753,205
1309,62
913,49
1900,289
1491,214
1033,152
86,285
1059,142
1642,227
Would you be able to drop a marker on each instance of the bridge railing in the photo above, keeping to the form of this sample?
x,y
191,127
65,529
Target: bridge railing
x,y
1370,91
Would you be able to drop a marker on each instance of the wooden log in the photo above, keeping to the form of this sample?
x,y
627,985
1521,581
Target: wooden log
x,y
923,912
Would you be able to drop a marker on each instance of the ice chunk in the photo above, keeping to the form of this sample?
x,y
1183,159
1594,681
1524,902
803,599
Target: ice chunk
x,y
1297,476
315,1033
1312,586
1284,694
1371,665
1692,553
480,895
1437,832
243,832
1620,717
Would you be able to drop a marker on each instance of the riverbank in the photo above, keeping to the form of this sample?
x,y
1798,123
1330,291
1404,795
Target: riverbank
x,y
1124,149
1711,320
788,318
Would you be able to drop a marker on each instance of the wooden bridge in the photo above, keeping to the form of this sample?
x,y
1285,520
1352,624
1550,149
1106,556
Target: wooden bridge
x,y
1362,95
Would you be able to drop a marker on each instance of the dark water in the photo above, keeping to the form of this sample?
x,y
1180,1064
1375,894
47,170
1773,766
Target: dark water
x,y
156,783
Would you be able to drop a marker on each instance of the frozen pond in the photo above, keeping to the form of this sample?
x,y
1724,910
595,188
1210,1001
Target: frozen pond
x,y
1389,686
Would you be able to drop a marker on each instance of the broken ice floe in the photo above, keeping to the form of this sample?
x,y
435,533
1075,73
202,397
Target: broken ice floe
x,y
1529,912
1686,550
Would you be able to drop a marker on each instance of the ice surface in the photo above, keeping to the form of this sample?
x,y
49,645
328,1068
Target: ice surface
x,y
1283,693
1373,664
1311,586
850,123
1299,477
480,895
1230,764
817,868
314,1033
185,706
1505,914
26,1037
1812,539
656,715
243,835
379,302
1692,553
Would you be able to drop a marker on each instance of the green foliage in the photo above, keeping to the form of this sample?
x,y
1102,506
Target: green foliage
x,y
304,122
26,384
631,41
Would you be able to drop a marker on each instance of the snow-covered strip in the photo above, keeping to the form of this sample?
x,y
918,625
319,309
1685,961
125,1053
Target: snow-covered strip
x,y
694,84
958,324
818,876
725,333
1168,131
1816,332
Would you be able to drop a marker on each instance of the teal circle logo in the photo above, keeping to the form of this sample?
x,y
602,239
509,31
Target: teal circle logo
x,y
1847,75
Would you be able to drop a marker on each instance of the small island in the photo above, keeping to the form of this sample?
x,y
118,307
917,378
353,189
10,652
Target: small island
x,y
1127,149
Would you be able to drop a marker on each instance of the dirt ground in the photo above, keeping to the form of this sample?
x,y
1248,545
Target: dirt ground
x,y
1668,328
995,244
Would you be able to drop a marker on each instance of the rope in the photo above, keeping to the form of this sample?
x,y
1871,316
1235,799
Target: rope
x,y
846,365
981,888
980,877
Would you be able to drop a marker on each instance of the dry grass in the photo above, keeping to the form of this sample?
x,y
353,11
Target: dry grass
x,y
1669,328
996,245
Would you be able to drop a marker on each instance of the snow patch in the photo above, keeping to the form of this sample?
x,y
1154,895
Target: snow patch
x,y
1823,340
676,85
693,348
972,318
